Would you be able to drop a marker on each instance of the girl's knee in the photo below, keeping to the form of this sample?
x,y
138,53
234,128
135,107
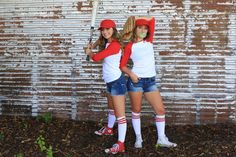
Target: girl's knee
x,y
160,111
136,110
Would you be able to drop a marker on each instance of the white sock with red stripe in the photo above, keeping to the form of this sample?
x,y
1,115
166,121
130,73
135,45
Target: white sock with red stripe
x,y
136,123
160,124
111,118
122,127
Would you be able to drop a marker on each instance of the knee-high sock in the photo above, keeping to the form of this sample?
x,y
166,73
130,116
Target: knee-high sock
x,y
160,124
122,127
111,118
136,123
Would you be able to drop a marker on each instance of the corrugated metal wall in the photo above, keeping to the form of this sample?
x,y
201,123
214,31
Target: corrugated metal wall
x,y
43,67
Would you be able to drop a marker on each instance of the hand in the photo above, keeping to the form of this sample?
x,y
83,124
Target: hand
x,y
134,78
90,45
88,51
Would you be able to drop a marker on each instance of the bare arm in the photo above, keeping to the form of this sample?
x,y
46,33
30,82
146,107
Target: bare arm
x,y
124,61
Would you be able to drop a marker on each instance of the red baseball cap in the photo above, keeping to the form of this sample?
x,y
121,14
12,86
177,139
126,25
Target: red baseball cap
x,y
141,22
107,24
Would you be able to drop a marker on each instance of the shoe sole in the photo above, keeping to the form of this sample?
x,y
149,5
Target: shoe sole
x,y
100,134
167,146
108,152
140,146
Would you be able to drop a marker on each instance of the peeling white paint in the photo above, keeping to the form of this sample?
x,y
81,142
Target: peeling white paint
x,y
35,80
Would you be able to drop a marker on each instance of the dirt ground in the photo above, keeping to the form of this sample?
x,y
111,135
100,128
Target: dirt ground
x,y
31,137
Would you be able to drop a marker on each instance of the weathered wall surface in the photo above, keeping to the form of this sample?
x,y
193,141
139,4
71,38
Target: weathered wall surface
x,y
43,67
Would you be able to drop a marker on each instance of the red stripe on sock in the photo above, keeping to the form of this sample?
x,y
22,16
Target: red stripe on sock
x,y
121,121
135,116
111,112
160,119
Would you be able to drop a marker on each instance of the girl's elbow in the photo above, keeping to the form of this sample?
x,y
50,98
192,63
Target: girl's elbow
x,y
95,59
122,68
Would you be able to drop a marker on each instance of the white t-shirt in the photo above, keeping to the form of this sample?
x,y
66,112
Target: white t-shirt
x,y
143,58
111,56
110,69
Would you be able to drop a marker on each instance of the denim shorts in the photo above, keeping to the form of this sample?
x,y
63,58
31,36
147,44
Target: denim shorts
x,y
117,87
143,85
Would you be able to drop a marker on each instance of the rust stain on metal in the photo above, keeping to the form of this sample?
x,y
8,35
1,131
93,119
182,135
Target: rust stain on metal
x,y
165,53
197,40
219,26
55,13
2,25
213,30
18,39
81,5
218,5
57,45
14,86
176,30
17,22
177,3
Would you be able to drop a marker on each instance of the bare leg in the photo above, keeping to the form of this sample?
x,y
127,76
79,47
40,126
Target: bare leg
x,y
111,119
119,107
111,114
136,103
154,98
109,102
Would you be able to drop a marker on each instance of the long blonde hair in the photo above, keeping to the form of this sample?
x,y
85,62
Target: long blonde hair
x,y
129,30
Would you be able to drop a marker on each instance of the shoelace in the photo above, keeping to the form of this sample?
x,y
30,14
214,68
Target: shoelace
x,y
115,148
139,139
102,130
167,142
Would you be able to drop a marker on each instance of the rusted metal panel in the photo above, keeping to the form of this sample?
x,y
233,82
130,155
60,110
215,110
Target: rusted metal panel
x,y
43,66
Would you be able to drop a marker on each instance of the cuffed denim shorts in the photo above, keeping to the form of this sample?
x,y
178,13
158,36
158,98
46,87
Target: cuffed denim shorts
x,y
143,85
117,87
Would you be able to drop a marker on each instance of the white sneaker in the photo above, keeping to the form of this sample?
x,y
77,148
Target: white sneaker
x,y
164,142
138,142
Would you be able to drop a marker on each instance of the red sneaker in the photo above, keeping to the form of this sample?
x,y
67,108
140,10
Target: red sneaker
x,y
118,147
104,131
